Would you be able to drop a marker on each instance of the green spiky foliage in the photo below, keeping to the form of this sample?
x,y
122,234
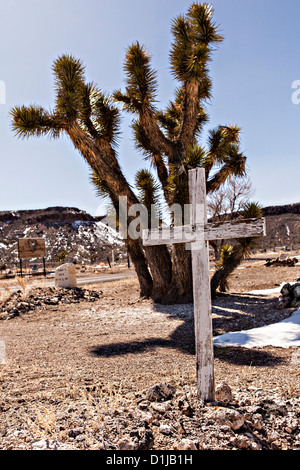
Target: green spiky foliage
x,y
225,252
233,256
169,139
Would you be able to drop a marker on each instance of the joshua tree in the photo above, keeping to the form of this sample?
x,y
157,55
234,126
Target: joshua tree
x,y
169,138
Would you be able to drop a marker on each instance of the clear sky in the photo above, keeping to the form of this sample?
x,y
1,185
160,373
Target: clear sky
x,y
253,71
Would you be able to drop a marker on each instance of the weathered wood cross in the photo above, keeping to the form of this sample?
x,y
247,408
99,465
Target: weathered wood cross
x,y
198,233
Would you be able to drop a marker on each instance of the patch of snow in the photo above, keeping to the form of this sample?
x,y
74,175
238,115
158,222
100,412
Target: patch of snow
x,y
276,290
284,334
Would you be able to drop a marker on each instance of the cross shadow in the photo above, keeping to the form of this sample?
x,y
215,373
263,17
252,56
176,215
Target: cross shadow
x,y
247,357
232,312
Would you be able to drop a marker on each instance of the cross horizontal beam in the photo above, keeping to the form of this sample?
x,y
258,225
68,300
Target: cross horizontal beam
x,y
240,228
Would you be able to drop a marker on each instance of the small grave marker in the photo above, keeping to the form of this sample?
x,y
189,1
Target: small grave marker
x,y
65,276
198,233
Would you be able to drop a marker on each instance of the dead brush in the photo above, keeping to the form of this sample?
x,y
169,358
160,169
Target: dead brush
x,y
106,400
22,283
44,424
4,295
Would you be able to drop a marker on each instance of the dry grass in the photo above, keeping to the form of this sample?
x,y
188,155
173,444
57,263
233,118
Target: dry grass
x,y
22,283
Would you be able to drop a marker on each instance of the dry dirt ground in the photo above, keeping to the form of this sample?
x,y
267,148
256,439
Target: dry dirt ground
x,y
76,374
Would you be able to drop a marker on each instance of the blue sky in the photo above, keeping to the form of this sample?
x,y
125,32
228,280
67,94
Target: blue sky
x,y
252,71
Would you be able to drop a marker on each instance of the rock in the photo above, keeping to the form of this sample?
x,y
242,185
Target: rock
x,y
186,444
223,393
283,302
75,432
273,436
160,392
165,429
147,440
229,417
245,442
257,421
14,305
296,291
295,303
285,290
185,407
161,407
146,417
45,444
127,444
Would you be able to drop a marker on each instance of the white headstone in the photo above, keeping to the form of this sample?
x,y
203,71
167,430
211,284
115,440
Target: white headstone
x,y
65,276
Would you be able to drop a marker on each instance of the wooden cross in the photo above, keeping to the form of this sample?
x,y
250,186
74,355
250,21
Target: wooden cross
x,y
198,233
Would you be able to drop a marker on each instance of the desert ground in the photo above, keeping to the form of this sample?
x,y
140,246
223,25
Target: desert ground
x,y
78,370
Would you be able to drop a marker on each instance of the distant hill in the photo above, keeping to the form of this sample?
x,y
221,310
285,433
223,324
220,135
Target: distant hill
x,y
283,226
279,210
82,237
87,239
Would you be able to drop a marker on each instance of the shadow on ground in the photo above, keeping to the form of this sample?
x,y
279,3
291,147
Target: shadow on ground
x,y
232,312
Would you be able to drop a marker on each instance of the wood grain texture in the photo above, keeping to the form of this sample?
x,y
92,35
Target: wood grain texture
x,y
201,292
31,248
210,231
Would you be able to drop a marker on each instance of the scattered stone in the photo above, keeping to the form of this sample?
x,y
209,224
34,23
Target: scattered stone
x,y
271,422
290,296
244,442
146,441
127,444
165,429
185,407
45,444
161,407
186,444
75,432
223,393
14,305
229,417
160,392
289,262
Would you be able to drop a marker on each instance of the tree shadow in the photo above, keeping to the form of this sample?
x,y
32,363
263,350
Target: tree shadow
x,y
231,313
132,347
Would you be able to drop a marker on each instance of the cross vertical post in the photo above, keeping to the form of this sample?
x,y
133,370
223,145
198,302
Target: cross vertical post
x,y
197,233
201,289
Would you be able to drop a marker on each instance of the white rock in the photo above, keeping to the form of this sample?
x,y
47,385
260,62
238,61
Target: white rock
x,y
229,417
186,444
165,429
223,393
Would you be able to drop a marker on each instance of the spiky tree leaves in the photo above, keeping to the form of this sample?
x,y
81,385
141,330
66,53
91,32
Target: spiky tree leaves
x,y
92,120
35,121
170,134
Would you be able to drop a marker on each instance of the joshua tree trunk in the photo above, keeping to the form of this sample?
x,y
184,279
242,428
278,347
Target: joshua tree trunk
x,y
157,282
